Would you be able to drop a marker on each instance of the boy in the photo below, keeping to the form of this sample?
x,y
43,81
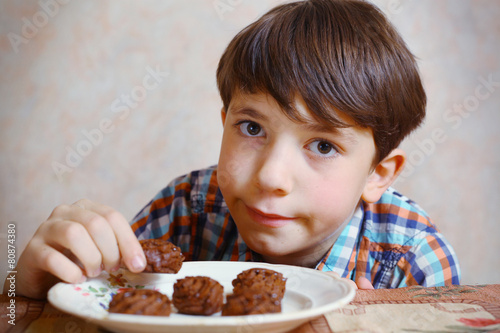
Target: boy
x,y
317,95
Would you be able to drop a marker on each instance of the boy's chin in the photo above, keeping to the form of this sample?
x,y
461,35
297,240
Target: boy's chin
x,y
268,249
286,252
277,255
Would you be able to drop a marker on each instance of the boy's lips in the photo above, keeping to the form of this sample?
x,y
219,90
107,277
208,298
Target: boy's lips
x,y
267,219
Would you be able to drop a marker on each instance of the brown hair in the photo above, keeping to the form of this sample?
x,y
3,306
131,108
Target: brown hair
x,y
339,56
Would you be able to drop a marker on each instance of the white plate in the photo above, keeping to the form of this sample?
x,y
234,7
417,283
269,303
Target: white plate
x,y
309,294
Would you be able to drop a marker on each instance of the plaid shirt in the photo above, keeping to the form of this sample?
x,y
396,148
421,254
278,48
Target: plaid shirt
x,y
392,242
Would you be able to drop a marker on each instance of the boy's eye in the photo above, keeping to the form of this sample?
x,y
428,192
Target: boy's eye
x,y
251,128
321,147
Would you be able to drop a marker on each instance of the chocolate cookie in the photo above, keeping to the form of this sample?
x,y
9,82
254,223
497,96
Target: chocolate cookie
x,y
198,295
263,280
250,301
145,302
161,256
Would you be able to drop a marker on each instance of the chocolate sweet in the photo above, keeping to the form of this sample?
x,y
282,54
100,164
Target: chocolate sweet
x,y
255,291
250,301
264,280
144,302
198,295
161,256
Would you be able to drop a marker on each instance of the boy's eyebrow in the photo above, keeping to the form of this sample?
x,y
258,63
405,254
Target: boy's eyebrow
x,y
318,127
249,112
343,133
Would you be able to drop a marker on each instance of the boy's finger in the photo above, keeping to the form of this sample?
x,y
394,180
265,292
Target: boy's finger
x,y
363,283
50,260
129,247
100,231
75,237
84,212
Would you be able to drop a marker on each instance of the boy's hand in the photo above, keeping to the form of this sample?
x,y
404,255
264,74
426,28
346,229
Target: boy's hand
x,y
361,283
77,241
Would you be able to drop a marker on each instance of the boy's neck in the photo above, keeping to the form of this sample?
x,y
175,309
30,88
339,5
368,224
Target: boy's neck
x,y
307,259
310,260
303,261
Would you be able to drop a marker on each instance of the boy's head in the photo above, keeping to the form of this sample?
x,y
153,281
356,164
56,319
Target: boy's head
x,y
317,96
341,57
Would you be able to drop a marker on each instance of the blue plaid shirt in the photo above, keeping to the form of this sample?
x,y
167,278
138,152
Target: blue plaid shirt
x,y
391,242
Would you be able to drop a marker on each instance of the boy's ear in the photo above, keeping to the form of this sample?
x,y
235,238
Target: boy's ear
x,y
384,174
223,116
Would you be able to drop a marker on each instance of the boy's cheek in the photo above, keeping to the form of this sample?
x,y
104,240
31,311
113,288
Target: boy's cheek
x,y
234,169
236,160
230,171
339,195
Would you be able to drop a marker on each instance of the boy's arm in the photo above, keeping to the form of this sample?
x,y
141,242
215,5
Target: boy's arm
x,y
433,263
430,263
76,241
361,283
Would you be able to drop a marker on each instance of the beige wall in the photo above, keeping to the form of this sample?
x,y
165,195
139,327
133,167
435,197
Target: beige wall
x,y
67,69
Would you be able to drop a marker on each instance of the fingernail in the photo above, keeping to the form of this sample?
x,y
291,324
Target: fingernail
x,y
83,279
96,273
114,269
138,263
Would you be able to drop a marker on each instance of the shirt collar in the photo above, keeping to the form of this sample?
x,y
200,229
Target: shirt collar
x,y
340,256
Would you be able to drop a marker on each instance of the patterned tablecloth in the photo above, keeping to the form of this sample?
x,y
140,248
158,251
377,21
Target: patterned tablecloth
x,y
474,308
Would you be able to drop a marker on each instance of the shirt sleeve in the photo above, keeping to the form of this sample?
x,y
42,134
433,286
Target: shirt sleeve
x,y
167,215
191,213
432,262
401,246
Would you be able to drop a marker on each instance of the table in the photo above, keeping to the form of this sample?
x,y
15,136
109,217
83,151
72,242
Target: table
x,y
467,308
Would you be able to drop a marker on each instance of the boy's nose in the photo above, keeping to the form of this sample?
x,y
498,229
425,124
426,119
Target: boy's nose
x,y
275,172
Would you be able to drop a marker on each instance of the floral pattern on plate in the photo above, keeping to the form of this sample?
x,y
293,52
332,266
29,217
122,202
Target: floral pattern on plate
x,y
115,284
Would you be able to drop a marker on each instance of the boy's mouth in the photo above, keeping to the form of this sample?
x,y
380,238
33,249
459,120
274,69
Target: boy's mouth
x,y
267,219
